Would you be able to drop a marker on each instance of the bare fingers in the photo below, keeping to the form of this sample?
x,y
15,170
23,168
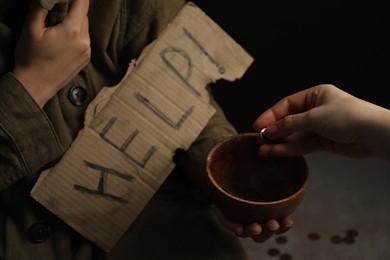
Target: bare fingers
x,y
271,228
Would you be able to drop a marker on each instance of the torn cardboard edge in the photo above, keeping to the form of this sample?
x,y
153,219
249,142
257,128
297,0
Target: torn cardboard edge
x,y
124,152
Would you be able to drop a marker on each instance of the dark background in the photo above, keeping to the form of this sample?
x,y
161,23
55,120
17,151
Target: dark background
x,y
299,44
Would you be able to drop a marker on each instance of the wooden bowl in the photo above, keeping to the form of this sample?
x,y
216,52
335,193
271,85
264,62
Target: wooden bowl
x,y
249,188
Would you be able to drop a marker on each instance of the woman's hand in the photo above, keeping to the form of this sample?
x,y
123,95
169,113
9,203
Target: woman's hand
x,y
325,118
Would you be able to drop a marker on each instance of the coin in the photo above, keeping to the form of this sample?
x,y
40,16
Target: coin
x,y
262,138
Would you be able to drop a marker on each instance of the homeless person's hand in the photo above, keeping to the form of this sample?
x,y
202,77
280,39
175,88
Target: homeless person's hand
x,y
48,58
259,233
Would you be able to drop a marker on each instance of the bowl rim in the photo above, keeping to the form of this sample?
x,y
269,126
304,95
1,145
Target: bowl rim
x,y
214,183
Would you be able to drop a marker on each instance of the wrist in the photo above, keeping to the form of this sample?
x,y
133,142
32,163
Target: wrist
x,y
375,131
35,89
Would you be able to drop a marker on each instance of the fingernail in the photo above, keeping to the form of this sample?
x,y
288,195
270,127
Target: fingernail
x,y
271,131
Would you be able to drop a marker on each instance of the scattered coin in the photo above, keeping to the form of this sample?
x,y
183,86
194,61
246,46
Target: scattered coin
x,y
314,236
352,233
336,239
285,257
273,252
281,239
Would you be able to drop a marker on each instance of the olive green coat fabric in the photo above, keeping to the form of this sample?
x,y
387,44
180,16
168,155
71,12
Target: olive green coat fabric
x,y
178,223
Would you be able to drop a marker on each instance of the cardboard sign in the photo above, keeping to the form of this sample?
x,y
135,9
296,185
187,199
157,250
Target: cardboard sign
x,y
124,152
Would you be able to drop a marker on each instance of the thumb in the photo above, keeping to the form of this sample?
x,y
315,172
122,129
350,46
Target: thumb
x,y
36,16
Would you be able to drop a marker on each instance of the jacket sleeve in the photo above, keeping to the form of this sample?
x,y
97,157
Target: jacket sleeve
x,y
27,139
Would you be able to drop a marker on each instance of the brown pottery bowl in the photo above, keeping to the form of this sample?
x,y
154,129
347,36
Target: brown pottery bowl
x,y
249,188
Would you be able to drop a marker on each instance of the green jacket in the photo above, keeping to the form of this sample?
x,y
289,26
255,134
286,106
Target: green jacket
x,y
33,139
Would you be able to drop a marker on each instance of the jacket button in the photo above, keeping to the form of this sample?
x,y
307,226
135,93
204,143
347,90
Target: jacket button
x,y
39,232
77,95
